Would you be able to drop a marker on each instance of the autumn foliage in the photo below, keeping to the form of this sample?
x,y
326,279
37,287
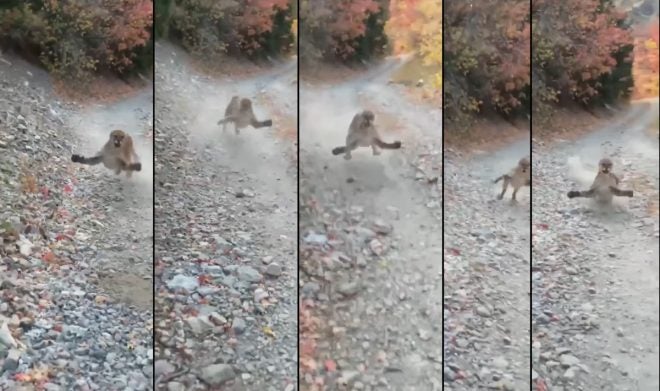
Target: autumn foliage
x,y
415,26
343,30
486,58
74,39
213,28
582,53
645,66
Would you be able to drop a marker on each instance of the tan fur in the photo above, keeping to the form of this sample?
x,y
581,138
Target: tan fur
x,y
240,113
117,154
518,177
604,186
363,133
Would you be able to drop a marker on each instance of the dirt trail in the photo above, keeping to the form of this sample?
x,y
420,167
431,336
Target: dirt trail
x,y
126,271
486,273
83,279
595,295
226,210
383,306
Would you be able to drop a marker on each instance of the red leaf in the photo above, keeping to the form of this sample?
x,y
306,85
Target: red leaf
x,y
68,188
540,385
453,251
330,365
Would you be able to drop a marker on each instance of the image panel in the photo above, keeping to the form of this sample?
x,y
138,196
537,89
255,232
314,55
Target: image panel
x,y
595,290
76,195
487,187
225,197
370,195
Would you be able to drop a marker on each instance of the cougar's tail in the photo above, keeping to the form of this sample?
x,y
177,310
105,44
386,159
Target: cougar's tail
x,y
384,145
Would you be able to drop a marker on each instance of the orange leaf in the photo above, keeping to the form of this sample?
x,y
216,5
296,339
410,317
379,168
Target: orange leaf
x,y
48,256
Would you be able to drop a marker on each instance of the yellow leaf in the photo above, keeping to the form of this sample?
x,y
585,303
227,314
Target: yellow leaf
x,y
268,331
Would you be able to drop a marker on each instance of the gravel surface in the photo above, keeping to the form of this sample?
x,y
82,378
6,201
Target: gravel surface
x,y
487,255
595,269
75,244
371,240
226,212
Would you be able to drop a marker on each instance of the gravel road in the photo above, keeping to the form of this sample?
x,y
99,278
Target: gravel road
x,y
595,269
75,243
487,265
226,215
371,237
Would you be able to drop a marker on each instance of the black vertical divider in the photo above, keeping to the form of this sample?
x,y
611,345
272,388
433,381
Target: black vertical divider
x,y
442,29
298,187
153,189
531,185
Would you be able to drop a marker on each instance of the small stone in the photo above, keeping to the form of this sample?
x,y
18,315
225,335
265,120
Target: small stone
x,y
217,319
315,238
376,247
260,294
11,361
198,324
568,360
163,367
273,270
248,274
500,362
238,325
217,374
424,335
569,374
381,227
348,288
180,281
244,193
483,311
348,377
175,386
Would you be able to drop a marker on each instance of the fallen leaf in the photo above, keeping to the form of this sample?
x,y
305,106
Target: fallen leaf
x,y
23,377
48,257
268,331
308,363
330,365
